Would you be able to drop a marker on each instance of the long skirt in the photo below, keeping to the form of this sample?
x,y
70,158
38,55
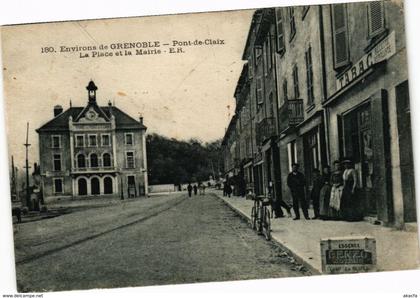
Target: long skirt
x,y
350,209
324,201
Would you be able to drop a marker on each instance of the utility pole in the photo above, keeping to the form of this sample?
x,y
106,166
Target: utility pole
x,y
13,187
27,167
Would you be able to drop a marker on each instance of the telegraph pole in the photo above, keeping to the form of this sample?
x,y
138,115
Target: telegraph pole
x,y
27,167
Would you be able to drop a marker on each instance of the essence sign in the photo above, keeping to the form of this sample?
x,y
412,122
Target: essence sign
x,y
348,255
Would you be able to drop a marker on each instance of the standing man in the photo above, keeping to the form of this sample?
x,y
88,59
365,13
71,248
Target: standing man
x,y
189,188
296,184
195,189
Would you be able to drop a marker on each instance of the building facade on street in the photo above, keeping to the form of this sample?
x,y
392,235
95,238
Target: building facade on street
x,y
330,83
92,151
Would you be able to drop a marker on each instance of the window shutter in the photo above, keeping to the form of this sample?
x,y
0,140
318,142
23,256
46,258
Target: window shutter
x,y
340,35
376,18
280,31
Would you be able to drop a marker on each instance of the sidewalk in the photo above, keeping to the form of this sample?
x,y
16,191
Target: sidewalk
x,y
396,250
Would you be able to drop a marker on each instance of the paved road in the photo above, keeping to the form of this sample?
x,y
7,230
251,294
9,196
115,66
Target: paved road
x,y
166,240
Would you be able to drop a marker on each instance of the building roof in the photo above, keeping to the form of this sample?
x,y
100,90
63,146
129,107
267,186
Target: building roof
x,y
61,122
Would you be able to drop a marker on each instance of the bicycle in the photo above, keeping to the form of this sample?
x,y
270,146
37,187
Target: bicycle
x,y
260,216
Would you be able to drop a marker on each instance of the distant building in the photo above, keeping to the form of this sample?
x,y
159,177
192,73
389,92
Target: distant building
x,y
91,151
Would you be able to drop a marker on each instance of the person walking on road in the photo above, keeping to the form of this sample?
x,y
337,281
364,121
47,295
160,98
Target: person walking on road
x,y
228,189
195,189
296,184
189,188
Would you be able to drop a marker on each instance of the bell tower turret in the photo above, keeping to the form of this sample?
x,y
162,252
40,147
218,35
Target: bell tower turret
x,y
91,88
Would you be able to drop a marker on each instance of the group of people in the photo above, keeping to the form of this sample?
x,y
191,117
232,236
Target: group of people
x,y
196,188
334,195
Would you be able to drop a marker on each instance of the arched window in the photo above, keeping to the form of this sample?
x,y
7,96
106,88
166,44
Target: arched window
x,y
82,187
94,160
106,159
94,186
108,188
81,161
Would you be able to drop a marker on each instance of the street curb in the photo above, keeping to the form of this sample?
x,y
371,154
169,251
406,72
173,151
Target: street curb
x,y
298,258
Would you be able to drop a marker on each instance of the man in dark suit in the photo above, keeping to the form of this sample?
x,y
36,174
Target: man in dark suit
x,y
296,184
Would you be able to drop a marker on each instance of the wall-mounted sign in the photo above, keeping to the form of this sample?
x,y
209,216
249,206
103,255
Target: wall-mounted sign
x,y
348,255
382,51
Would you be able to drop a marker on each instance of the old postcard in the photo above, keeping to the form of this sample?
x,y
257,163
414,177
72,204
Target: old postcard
x,y
217,146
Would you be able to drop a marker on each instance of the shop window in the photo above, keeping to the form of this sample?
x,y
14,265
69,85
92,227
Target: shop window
x,y
292,154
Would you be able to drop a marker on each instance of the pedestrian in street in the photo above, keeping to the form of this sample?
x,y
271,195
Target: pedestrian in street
x,y
228,189
296,184
224,189
317,184
189,189
350,209
324,195
195,189
336,190
202,189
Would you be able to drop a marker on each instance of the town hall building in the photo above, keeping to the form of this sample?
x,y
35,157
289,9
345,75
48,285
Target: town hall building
x,y
92,151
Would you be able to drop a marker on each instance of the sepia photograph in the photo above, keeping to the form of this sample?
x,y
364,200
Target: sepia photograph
x,y
205,147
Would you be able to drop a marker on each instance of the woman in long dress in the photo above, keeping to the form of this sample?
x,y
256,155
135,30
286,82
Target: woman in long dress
x,y
350,205
324,195
336,191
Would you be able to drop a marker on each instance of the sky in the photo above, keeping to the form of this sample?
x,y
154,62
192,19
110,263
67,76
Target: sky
x,y
182,96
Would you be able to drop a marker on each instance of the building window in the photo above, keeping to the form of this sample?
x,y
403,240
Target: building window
x,y
106,140
129,160
283,98
80,141
250,67
296,82
305,10
129,139
269,53
57,162
106,159
94,160
58,186
81,161
292,22
280,32
340,35
259,91
258,54
56,141
93,141
376,18
309,76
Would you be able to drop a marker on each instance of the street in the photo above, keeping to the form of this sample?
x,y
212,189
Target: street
x,y
161,240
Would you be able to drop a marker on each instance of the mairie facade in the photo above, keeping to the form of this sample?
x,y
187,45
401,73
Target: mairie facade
x,y
92,151
320,84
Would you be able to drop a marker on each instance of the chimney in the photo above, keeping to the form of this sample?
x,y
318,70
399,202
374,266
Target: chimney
x,y
141,119
58,110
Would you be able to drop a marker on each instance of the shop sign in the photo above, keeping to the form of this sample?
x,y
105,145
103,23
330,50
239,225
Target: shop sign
x,y
348,255
382,51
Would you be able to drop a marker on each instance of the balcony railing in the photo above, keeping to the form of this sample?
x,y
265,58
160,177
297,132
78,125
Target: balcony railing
x,y
290,114
265,129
